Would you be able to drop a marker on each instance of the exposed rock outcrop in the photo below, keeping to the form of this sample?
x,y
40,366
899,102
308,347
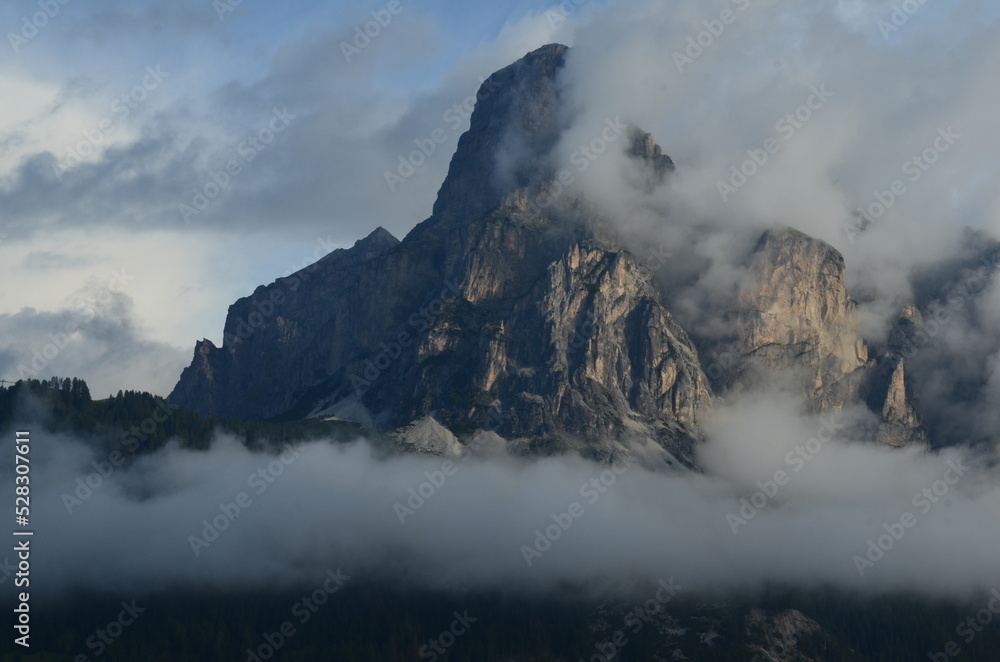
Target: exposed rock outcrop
x,y
797,320
900,424
784,636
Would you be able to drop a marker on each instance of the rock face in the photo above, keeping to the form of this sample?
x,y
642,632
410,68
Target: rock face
x,y
427,436
278,341
889,391
782,636
900,423
799,327
509,311
513,129
797,320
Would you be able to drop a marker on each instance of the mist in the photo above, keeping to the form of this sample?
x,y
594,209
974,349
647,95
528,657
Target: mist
x,y
818,497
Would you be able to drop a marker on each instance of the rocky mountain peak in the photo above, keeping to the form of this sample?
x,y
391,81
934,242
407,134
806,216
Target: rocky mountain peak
x,y
643,148
379,239
513,127
497,314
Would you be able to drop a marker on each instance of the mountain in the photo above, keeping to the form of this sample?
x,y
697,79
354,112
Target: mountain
x,y
519,311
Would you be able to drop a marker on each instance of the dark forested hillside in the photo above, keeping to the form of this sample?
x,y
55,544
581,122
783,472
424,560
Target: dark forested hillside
x,y
138,422
378,624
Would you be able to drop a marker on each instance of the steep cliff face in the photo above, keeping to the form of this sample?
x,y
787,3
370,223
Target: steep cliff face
x,y
797,320
513,128
278,341
798,327
593,349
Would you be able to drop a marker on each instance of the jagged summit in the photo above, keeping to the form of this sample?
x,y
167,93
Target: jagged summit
x,y
503,160
513,127
378,241
380,236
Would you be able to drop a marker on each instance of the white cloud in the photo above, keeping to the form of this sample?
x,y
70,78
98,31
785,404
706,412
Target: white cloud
x,y
337,506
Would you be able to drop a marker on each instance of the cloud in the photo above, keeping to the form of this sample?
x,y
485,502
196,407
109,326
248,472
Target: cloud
x,y
352,121
97,341
322,505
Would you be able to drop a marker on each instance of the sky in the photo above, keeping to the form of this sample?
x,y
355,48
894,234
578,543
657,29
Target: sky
x,y
120,220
